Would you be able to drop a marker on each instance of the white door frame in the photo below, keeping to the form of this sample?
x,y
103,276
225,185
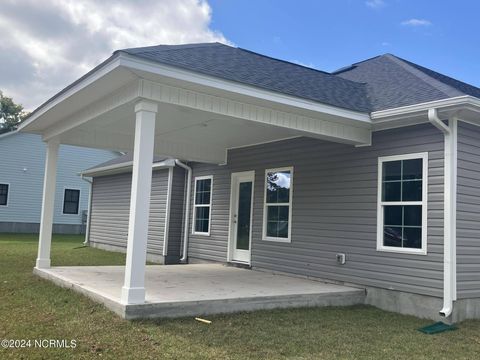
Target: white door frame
x,y
235,177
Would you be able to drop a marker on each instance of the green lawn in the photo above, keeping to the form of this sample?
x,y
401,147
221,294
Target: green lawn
x,y
32,308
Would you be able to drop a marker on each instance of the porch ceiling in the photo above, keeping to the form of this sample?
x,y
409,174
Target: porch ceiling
x,y
199,118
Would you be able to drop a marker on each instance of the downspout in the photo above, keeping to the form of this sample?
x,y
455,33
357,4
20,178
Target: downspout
x,y
89,210
450,210
187,210
167,212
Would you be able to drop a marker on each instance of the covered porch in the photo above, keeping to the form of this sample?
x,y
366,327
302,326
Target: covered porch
x,y
140,106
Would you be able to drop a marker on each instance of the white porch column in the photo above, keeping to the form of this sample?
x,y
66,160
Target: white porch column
x,y
133,291
48,202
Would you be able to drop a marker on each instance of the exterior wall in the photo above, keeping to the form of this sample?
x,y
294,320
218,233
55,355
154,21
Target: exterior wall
x,y
334,210
111,208
468,211
23,168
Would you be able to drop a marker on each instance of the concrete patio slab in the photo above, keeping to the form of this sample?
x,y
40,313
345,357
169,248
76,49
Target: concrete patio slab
x,y
200,289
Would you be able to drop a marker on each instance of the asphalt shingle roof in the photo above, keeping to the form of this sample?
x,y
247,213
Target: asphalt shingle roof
x,y
393,82
382,82
244,66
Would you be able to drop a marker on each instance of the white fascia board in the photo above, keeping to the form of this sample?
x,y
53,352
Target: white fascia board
x,y
93,75
136,63
124,167
468,101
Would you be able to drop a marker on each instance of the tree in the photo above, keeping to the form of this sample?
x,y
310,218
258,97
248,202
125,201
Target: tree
x,y
11,114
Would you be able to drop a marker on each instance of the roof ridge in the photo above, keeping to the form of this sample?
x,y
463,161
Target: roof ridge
x,y
173,46
354,65
299,65
446,89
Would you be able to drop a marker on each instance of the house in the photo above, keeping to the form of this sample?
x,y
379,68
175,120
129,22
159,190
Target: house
x,y
21,184
110,200
368,176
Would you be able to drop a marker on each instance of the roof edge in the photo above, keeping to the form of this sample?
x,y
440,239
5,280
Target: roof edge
x,y
123,168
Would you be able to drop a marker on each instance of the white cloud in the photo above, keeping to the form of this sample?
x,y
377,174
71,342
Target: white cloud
x,y
50,43
416,22
375,4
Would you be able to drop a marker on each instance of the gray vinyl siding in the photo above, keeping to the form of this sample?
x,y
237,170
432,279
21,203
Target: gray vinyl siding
x,y
468,211
22,166
111,209
175,229
334,210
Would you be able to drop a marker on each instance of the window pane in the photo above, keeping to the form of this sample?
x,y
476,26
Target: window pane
x,y
391,191
392,236
278,187
202,191
412,190
283,229
202,215
412,169
70,208
393,215
412,215
3,194
277,221
392,170
70,201
272,229
412,237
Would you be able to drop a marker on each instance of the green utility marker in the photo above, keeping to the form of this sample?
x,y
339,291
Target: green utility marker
x,y
437,328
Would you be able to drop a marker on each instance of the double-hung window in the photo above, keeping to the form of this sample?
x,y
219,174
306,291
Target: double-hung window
x,y
4,194
277,212
202,205
402,203
71,200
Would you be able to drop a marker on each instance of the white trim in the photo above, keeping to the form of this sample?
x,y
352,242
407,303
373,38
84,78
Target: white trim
x,y
405,110
290,202
168,203
8,194
233,205
63,200
95,74
194,209
124,167
423,203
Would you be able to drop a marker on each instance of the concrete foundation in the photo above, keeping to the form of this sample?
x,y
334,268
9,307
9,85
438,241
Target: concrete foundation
x,y
34,228
421,306
193,290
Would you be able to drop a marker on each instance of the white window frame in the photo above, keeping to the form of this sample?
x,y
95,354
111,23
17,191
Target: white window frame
x,y
8,194
423,203
195,206
79,200
265,205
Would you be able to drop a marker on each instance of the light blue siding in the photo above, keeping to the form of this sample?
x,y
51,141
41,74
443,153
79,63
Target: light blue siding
x,y
22,165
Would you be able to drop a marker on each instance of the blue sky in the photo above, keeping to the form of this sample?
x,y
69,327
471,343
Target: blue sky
x,y
48,44
332,34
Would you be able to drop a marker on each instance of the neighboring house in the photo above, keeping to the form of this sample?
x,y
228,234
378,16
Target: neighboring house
x,y
21,184
369,175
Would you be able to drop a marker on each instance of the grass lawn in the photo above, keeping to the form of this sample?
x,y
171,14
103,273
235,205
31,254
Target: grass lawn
x,y
32,308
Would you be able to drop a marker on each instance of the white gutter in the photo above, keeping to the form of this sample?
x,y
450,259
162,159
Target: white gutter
x,y
187,210
450,210
167,212
89,210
